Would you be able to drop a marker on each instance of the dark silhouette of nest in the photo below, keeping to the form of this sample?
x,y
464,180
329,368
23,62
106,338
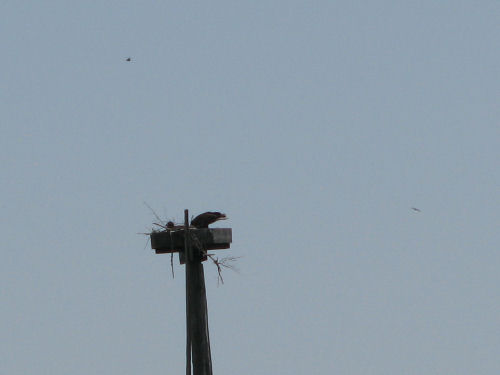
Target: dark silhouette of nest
x,y
201,221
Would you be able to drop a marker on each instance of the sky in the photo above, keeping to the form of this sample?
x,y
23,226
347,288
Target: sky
x,y
315,126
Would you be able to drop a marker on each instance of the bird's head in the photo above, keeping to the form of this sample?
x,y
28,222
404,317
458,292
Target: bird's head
x,y
221,216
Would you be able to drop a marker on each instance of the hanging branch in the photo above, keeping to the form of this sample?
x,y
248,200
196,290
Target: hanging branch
x,y
223,262
172,264
226,262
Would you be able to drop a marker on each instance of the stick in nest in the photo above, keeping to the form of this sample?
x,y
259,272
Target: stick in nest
x,y
154,213
165,226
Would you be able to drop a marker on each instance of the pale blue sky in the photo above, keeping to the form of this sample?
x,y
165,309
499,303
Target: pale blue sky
x,y
315,126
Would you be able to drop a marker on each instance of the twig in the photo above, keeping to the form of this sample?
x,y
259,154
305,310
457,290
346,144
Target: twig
x,y
147,243
160,225
223,263
172,264
219,269
154,213
166,227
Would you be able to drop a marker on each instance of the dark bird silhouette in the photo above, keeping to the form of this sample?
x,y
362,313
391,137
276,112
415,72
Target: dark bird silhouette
x,y
205,219
415,209
128,59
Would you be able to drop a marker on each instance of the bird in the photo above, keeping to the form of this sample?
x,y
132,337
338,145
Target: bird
x,y
205,219
415,209
129,59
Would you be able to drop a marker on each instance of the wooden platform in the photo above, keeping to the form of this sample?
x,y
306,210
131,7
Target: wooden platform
x,y
173,241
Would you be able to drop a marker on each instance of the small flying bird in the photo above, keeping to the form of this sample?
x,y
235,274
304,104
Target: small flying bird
x,y
205,219
129,59
415,209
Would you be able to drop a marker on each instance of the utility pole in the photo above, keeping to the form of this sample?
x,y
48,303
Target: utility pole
x,y
192,245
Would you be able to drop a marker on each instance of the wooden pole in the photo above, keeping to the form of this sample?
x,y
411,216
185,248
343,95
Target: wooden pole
x,y
198,344
187,245
192,244
202,363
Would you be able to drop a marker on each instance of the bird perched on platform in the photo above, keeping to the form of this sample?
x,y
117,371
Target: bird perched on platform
x,y
205,219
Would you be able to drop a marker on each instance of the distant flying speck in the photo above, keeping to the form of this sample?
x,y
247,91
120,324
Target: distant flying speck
x,y
415,209
128,59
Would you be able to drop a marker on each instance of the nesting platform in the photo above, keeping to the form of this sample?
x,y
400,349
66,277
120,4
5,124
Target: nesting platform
x,y
173,241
